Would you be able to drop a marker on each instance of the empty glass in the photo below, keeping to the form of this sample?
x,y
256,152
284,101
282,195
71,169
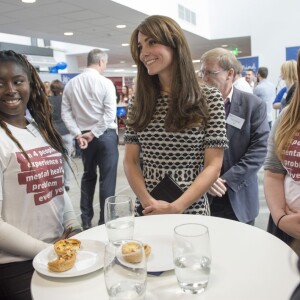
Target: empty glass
x,y
192,257
125,274
119,218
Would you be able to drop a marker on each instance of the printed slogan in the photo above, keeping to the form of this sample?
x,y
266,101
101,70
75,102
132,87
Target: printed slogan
x,y
43,175
291,158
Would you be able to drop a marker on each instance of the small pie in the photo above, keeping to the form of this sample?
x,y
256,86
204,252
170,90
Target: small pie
x,y
66,246
62,263
131,252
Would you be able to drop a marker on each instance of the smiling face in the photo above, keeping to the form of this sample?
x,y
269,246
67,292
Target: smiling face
x,y
156,57
14,93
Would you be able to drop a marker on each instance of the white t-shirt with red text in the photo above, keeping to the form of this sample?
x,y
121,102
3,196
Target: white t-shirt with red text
x,y
32,198
291,163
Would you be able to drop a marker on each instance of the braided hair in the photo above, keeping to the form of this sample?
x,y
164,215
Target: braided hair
x,y
38,105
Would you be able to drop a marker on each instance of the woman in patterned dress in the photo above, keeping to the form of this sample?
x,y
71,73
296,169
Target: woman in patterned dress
x,y
178,125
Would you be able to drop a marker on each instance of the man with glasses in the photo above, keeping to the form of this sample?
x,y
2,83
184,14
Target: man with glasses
x,y
234,195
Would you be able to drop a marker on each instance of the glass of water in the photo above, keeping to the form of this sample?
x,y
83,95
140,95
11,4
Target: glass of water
x,y
125,278
192,257
119,218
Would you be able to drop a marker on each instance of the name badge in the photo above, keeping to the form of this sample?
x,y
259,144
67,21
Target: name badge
x,y
235,121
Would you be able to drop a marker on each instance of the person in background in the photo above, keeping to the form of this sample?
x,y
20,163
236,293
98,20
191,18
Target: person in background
x,y
279,97
57,88
89,111
47,88
125,95
282,169
178,125
289,75
250,78
266,91
239,82
117,94
35,211
234,195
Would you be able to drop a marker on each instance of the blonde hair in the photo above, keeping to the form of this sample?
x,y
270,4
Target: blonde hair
x,y
290,122
289,72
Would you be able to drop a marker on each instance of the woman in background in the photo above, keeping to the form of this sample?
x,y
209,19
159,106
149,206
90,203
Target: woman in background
x,y
57,88
34,209
289,75
178,125
282,171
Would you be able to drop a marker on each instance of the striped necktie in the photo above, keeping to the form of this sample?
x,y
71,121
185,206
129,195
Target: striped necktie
x,y
227,107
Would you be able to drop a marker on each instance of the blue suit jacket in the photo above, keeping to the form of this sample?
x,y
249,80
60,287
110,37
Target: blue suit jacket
x,y
246,154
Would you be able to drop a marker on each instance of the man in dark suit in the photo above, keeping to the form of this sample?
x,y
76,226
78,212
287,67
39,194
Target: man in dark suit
x,y
234,195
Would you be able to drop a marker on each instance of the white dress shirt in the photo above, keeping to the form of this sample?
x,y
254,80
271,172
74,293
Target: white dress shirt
x,y
89,103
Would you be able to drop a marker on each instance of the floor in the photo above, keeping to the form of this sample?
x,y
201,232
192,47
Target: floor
x,y
124,189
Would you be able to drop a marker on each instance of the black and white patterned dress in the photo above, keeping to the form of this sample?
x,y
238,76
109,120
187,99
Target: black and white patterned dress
x,y
180,154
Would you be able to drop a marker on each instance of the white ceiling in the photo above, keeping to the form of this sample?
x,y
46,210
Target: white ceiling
x,y
94,24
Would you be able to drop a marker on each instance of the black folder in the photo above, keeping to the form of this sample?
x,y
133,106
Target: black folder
x,y
167,189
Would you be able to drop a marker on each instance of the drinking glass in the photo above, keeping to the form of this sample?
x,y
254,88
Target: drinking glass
x,y
125,280
119,218
192,257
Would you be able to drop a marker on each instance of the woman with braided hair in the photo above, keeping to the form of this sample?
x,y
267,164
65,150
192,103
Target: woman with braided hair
x,y
34,209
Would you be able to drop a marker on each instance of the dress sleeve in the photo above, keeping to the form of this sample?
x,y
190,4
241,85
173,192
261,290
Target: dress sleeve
x,y
215,132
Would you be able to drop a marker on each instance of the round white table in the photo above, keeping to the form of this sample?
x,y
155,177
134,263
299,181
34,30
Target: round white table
x,y
247,264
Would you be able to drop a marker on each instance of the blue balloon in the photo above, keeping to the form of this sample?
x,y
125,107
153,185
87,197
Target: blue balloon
x,y
121,111
53,70
61,65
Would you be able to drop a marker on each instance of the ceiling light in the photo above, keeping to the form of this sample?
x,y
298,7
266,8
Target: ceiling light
x,y
134,66
196,61
224,46
122,62
28,1
125,44
121,26
68,33
119,70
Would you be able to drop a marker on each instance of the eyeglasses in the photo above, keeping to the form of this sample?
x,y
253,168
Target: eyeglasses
x,y
203,73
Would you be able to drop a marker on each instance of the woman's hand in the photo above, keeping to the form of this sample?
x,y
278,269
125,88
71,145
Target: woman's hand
x,y
160,207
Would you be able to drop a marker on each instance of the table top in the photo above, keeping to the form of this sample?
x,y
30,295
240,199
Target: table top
x,y
247,263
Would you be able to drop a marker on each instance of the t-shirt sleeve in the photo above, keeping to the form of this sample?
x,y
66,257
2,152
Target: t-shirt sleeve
x,y
272,162
215,132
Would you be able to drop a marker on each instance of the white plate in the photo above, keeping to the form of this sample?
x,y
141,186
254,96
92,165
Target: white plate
x,y
90,257
161,257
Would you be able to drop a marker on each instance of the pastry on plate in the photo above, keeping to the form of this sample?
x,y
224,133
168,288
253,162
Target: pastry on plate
x,y
131,252
147,249
63,263
66,246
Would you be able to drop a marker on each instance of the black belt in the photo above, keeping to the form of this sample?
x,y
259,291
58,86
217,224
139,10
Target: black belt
x,y
107,130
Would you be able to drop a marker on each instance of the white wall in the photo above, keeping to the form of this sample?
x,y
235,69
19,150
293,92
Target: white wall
x,y
272,24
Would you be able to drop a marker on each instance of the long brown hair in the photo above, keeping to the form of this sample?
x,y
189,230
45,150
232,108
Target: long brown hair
x,y
188,106
290,122
38,105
